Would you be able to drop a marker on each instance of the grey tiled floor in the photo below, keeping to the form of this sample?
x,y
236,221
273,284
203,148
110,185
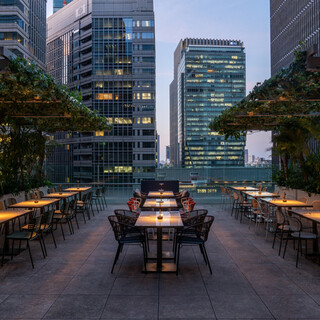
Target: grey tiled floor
x,y
249,280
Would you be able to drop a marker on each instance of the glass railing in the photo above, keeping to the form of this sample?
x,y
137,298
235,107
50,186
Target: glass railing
x,y
204,185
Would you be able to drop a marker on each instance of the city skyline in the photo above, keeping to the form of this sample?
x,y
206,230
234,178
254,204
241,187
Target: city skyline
x,y
247,20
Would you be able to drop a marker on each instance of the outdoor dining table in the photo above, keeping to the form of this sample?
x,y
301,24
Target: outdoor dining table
x,y
286,203
244,188
166,204
34,204
158,194
262,194
61,195
9,215
149,219
78,189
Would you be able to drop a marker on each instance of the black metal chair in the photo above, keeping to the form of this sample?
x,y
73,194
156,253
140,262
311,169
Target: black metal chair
x,y
127,234
65,217
282,227
96,199
31,233
296,233
195,235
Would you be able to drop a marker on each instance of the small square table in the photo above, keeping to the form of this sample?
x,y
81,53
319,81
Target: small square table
x,y
287,203
244,188
34,204
160,204
78,189
262,194
149,219
158,194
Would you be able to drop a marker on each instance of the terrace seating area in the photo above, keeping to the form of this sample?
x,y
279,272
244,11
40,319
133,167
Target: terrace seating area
x,y
249,279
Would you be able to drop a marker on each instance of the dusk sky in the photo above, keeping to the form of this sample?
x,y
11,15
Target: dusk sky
x,y
245,20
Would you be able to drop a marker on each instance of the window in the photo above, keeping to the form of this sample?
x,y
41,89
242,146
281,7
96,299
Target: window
x,y
148,47
148,157
147,23
147,132
148,144
146,95
147,35
104,96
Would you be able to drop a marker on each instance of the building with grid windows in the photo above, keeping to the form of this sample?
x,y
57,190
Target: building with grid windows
x,y
106,50
209,76
292,23
23,29
58,4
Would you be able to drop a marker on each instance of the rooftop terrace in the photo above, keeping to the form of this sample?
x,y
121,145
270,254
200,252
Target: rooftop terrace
x,y
249,281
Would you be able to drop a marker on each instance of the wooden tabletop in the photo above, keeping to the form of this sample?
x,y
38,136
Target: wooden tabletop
x,y
61,195
78,189
310,214
158,194
149,219
34,203
287,203
244,188
262,194
8,215
156,203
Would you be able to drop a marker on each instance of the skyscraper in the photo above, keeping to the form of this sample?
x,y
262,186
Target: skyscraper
x,y
106,50
23,29
58,4
209,76
292,23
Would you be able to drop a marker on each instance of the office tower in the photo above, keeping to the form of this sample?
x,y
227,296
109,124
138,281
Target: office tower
x,y
292,23
106,50
167,154
23,29
209,76
58,4
246,156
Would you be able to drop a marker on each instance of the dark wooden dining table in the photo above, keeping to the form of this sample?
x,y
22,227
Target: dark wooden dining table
x,y
149,219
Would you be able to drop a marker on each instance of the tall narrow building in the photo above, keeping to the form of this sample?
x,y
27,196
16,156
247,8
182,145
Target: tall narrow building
x,y
292,23
209,76
23,29
106,50
58,4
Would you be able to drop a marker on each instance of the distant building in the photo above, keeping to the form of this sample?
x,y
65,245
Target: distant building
x,y
58,4
292,23
167,154
23,29
106,50
246,156
209,77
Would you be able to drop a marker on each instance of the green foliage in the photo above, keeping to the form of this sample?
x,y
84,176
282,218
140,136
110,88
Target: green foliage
x,y
31,104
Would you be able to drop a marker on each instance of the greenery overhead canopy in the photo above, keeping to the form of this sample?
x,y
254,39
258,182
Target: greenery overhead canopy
x,y
30,97
31,105
288,98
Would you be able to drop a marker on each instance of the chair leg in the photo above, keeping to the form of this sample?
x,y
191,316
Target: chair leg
x,y
64,238
12,247
53,238
76,218
116,257
178,257
41,238
28,246
274,237
4,245
299,247
206,254
285,248
202,252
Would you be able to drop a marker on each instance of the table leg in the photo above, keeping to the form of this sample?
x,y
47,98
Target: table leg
x,y
159,249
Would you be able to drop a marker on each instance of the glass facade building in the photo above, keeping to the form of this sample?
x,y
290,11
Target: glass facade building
x,y
292,23
106,50
58,4
209,77
23,28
